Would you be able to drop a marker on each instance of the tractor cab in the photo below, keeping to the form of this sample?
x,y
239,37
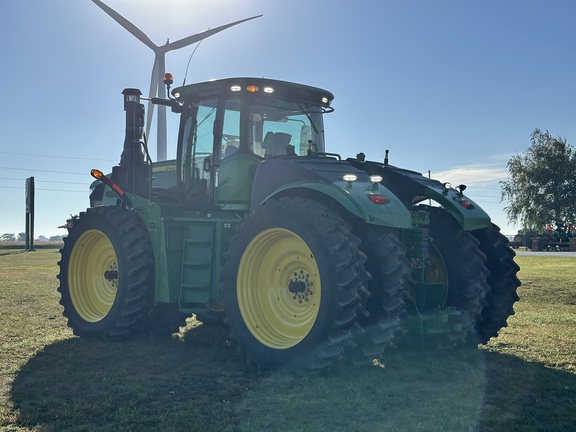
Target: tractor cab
x,y
229,126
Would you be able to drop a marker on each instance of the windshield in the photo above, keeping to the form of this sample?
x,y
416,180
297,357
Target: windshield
x,y
279,127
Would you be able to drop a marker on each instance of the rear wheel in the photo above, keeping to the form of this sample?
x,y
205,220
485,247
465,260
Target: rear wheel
x,y
293,284
503,282
456,268
106,273
390,271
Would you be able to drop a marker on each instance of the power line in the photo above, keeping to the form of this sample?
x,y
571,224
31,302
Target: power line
x,y
46,171
61,190
39,181
57,157
42,189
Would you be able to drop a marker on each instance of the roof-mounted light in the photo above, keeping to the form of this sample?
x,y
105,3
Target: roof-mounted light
x,y
252,88
235,88
375,178
168,79
325,100
350,177
268,90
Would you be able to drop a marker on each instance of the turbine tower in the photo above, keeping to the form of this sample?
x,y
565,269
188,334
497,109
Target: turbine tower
x,y
158,70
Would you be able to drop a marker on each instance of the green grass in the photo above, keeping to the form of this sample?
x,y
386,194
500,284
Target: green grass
x,y
524,380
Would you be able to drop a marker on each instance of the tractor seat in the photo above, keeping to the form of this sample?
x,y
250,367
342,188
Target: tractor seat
x,y
231,148
275,144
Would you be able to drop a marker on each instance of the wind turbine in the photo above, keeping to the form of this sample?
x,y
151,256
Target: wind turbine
x,y
158,70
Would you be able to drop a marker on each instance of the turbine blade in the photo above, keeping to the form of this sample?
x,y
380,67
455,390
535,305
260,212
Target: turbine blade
x,y
153,90
127,25
200,36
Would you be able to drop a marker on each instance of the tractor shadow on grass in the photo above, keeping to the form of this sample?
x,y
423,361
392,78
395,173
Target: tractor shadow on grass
x,y
199,383
146,383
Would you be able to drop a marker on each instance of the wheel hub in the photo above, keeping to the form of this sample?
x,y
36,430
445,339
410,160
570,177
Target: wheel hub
x,y
112,274
299,286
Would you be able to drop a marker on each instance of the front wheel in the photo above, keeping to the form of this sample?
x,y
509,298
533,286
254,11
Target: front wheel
x,y
106,273
293,285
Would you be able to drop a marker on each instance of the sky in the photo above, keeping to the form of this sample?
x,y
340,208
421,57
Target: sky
x,y
450,87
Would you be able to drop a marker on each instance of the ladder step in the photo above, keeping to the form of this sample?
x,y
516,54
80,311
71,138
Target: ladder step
x,y
196,277
195,287
197,264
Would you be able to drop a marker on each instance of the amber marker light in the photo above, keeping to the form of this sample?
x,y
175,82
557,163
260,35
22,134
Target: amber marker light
x,y
252,88
96,174
99,175
168,79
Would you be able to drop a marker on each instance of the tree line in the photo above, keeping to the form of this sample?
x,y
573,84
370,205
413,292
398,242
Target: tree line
x,y
11,237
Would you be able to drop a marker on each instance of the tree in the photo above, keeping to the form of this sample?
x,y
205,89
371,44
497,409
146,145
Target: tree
x,y
8,237
541,188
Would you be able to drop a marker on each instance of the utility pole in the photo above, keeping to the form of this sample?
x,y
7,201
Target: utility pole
x,y
30,214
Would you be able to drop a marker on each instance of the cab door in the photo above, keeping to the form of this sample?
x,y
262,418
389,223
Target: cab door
x,y
237,165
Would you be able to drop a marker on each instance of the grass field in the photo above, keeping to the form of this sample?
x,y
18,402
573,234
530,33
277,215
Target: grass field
x,y
525,380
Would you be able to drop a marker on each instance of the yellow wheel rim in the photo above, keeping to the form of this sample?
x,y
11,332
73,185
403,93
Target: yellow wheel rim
x,y
436,272
93,276
278,288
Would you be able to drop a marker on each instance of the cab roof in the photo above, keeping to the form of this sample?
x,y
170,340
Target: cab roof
x,y
256,86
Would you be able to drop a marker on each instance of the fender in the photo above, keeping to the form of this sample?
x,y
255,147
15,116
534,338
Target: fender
x,y
412,188
355,198
151,215
468,214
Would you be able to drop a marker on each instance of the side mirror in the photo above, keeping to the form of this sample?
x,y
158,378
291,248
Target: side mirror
x,y
207,166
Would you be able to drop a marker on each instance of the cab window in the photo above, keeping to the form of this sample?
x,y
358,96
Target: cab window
x,y
281,127
197,146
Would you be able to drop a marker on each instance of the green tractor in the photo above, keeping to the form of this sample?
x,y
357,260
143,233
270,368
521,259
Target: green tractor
x,y
307,257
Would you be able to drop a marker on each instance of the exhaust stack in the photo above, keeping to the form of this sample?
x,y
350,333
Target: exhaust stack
x,y
133,173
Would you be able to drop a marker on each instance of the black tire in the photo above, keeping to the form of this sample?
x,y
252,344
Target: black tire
x,y
502,280
293,285
466,273
390,271
106,273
